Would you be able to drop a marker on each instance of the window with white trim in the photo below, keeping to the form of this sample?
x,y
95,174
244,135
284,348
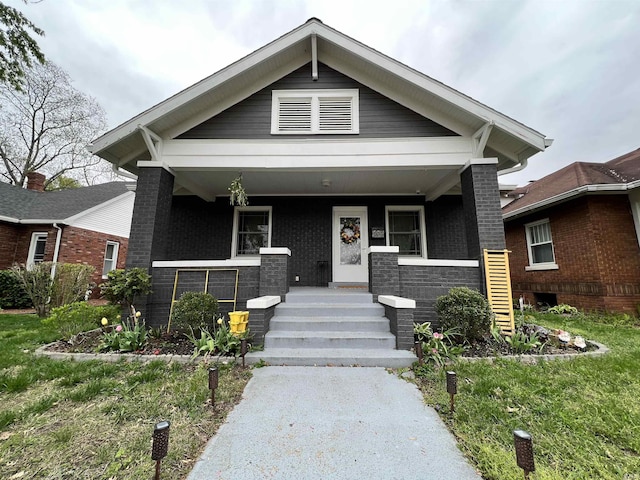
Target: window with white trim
x,y
406,230
110,258
540,244
251,230
297,112
37,248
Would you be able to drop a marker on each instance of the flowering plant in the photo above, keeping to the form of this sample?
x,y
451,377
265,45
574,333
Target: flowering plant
x,y
127,337
438,347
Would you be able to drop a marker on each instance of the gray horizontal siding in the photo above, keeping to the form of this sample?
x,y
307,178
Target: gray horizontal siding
x,y
380,117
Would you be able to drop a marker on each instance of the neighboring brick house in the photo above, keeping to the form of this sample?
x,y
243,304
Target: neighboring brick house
x,y
359,170
88,225
574,236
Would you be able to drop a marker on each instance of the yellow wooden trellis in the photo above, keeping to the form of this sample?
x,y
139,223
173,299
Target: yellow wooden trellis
x,y
206,286
498,280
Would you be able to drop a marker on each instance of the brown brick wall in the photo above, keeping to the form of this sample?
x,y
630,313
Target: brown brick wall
x,y
76,246
88,247
8,239
596,250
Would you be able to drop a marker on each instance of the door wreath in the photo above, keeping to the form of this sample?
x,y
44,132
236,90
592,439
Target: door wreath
x,y
350,231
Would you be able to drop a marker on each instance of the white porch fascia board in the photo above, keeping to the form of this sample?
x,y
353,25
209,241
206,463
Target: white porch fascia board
x,y
405,153
585,189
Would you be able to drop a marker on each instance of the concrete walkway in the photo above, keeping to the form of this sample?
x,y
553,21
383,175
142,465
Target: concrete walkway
x,y
331,423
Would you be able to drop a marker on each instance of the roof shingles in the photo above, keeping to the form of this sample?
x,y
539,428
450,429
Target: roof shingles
x,y
21,204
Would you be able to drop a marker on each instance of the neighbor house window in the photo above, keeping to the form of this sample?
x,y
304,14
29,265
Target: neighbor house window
x,y
37,248
314,111
110,258
540,246
251,230
406,230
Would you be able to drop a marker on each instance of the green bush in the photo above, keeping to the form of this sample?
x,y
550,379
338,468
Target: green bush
x,y
466,310
71,283
37,283
196,311
77,317
123,286
12,292
562,309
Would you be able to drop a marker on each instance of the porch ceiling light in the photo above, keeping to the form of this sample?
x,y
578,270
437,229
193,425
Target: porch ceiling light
x,y
326,182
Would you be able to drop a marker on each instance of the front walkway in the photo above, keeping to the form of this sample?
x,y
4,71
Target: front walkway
x,y
331,423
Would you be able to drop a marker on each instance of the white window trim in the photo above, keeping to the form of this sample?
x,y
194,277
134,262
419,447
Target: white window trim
x,y
276,95
116,251
539,266
423,229
234,239
32,246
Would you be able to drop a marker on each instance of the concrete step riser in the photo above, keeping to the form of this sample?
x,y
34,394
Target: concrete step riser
x,y
273,341
307,310
353,299
329,325
307,358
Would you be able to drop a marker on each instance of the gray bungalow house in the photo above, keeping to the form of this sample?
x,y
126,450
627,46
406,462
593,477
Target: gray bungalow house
x,y
360,171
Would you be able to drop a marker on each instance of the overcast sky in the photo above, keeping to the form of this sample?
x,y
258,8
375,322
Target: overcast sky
x,y
567,68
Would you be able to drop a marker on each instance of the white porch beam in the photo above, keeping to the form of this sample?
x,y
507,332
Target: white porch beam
x,y
446,184
204,193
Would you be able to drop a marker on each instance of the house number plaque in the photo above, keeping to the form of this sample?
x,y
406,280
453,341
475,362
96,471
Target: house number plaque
x,y
377,232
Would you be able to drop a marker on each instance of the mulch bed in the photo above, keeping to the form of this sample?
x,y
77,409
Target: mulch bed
x,y
173,343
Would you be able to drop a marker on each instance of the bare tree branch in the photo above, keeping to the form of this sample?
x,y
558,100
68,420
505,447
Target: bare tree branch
x,y
46,126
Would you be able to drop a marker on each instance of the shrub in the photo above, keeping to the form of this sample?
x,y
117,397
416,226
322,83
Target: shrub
x,y
71,283
563,308
123,286
77,317
12,292
37,283
196,311
465,310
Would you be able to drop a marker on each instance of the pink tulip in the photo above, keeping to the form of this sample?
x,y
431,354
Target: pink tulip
x,y
119,328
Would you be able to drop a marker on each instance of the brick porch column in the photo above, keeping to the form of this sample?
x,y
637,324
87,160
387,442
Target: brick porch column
x,y
481,203
274,271
150,225
384,276
151,217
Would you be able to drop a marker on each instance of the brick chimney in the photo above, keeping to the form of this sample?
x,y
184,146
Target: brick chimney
x,y
35,181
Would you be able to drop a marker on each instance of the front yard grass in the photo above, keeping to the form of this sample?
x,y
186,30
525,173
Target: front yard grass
x,y
66,419
583,414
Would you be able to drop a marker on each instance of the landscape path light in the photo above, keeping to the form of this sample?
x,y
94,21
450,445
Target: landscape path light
x,y
417,345
524,451
243,349
452,387
213,384
160,444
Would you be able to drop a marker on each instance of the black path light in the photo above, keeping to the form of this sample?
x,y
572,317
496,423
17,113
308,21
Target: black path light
x,y
243,349
524,451
160,444
213,384
452,387
417,345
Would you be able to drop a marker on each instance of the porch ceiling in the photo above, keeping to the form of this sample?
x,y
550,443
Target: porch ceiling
x,y
417,181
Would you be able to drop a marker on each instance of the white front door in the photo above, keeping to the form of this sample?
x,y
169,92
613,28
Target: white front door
x,y
350,244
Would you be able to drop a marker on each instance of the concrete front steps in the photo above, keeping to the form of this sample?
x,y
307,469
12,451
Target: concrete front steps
x,y
336,327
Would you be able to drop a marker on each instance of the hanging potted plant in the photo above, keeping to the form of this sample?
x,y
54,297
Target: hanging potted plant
x,y
238,195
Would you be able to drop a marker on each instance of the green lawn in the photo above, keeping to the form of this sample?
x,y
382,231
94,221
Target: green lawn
x,y
583,414
65,419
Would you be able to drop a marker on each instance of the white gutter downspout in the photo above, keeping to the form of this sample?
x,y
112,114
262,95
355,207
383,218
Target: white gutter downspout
x,y
56,251
525,161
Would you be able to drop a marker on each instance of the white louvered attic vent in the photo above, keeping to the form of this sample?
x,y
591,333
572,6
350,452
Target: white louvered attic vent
x,y
314,112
